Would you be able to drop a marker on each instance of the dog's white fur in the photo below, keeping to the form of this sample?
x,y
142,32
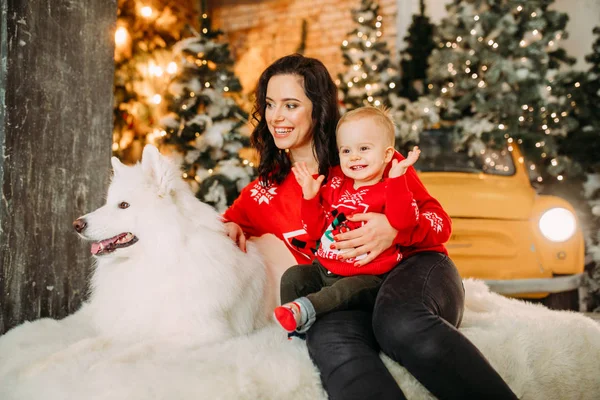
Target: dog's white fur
x,y
184,280
160,322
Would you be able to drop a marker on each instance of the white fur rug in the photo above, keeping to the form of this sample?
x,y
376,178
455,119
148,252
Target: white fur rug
x,y
542,354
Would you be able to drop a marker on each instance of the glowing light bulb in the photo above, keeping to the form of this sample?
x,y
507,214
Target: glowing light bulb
x,y
172,67
156,99
146,11
120,36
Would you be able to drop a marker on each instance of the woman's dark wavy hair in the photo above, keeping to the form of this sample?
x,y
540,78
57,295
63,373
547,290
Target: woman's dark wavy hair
x,y
275,164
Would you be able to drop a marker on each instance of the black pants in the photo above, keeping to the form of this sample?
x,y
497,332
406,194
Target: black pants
x,y
418,309
329,292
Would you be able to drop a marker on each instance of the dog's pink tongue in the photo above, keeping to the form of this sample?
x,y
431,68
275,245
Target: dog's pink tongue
x,y
98,246
95,248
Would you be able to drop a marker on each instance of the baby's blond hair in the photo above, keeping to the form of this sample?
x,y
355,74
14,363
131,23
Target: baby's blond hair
x,y
381,116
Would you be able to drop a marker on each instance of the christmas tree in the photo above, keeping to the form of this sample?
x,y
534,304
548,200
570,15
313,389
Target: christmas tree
x,y
593,77
495,70
143,40
414,58
411,109
370,75
205,125
582,90
174,88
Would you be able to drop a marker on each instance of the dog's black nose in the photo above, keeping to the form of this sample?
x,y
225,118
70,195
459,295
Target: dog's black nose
x,y
79,225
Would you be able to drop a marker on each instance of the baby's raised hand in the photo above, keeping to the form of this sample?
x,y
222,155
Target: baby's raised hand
x,y
310,186
400,168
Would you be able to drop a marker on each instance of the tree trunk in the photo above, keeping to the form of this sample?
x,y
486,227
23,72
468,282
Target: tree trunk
x,y
56,75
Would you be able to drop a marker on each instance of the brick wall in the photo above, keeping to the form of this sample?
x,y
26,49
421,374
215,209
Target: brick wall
x,y
261,31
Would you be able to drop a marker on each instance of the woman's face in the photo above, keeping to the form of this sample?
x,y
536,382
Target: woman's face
x,y
288,112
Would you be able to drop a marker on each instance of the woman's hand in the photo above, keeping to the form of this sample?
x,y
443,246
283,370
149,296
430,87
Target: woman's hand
x,y
235,233
375,236
310,186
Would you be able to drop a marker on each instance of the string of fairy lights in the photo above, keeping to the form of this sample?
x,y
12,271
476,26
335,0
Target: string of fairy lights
x,y
476,71
369,74
154,73
368,39
157,73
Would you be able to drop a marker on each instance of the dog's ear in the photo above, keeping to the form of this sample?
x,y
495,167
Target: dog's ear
x,y
116,164
151,163
159,170
150,156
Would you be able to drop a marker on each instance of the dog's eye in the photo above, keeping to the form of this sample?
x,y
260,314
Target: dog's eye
x,y
123,205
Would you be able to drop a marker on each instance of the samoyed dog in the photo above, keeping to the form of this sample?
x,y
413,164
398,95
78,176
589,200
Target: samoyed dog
x,y
165,269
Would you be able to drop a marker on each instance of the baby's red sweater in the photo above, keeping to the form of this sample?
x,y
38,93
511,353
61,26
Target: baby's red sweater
x,y
325,216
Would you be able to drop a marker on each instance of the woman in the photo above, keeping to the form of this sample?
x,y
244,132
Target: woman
x,y
420,303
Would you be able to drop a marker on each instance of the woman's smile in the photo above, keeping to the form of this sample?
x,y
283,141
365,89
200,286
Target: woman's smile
x,y
282,132
289,113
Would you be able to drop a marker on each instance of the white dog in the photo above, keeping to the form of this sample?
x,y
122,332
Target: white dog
x,y
165,268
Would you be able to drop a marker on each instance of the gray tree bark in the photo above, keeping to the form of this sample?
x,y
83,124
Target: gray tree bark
x,y
56,76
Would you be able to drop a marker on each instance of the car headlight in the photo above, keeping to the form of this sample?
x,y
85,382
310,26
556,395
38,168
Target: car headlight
x,y
557,224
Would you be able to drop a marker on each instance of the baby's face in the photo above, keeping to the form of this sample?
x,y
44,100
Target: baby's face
x,y
364,150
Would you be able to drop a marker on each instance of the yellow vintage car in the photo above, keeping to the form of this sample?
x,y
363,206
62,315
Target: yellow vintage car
x,y
520,243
